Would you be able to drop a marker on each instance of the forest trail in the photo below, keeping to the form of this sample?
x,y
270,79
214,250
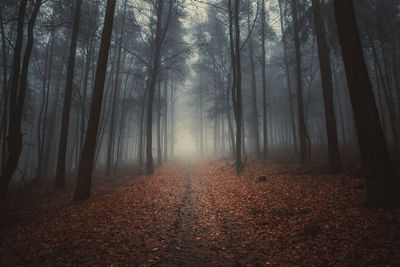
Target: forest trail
x,y
201,213
187,252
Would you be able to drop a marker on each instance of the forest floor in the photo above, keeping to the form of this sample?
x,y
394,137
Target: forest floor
x,y
203,214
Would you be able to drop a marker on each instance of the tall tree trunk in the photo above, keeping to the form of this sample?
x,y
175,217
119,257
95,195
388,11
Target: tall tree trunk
x,y
122,122
52,125
255,131
230,126
83,184
159,124
89,59
239,132
327,88
382,188
5,95
17,96
161,31
62,150
86,63
222,134
216,105
201,117
339,107
105,114
152,86
142,118
166,119
255,137
142,113
264,83
149,125
387,92
288,80
172,144
380,100
40,132
302,126
234,40
42,129
111,138
391,104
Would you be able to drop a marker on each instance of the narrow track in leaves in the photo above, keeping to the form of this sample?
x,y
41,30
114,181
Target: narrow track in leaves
x,y
203,214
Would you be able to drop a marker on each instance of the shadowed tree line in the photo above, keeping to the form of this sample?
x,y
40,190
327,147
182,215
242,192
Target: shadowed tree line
x,y
89,84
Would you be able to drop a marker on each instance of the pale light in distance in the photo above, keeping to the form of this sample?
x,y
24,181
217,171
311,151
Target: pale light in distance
x,y
185,143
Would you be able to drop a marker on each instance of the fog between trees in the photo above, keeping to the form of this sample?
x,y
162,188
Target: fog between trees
x,y
90,85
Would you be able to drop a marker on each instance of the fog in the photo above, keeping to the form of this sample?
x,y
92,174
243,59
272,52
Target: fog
x,y
100,86
185,137
199,132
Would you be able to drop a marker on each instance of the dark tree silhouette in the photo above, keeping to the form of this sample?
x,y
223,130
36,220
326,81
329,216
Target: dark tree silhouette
x,y
111,138
18,89
264,82
83,182
234,40
327,88
304,153
382,188
160,34
62,150
287,72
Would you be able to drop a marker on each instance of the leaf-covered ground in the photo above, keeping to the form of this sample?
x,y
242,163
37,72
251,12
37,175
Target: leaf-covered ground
x,y
202,214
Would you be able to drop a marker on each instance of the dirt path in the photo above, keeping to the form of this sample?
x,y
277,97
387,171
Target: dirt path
x,y
187,252
202,214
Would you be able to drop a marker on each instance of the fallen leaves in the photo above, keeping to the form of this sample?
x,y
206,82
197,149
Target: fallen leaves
x,y
196,214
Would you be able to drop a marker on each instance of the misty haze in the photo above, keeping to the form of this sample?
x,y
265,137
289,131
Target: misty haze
x,y
199,132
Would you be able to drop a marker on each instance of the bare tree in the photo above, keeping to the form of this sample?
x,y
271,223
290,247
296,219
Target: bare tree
x,y
83,183
62,150
160,7
382,188
304,153
287,72
111,140
17,95
264,82
234,40
327,88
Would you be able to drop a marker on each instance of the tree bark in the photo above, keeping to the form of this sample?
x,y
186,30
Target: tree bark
x,y
122,122
255,131
387,92
161,31
234,40
172,144
166,119
159,152
382,188
302,127
288,80
5,95
83,184
52,126
327,88
62,150
17,96
10,160
142,113
111,138
264,83
230,124
89,60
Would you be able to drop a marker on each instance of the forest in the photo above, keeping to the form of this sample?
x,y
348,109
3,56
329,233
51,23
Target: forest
x,y
200,132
